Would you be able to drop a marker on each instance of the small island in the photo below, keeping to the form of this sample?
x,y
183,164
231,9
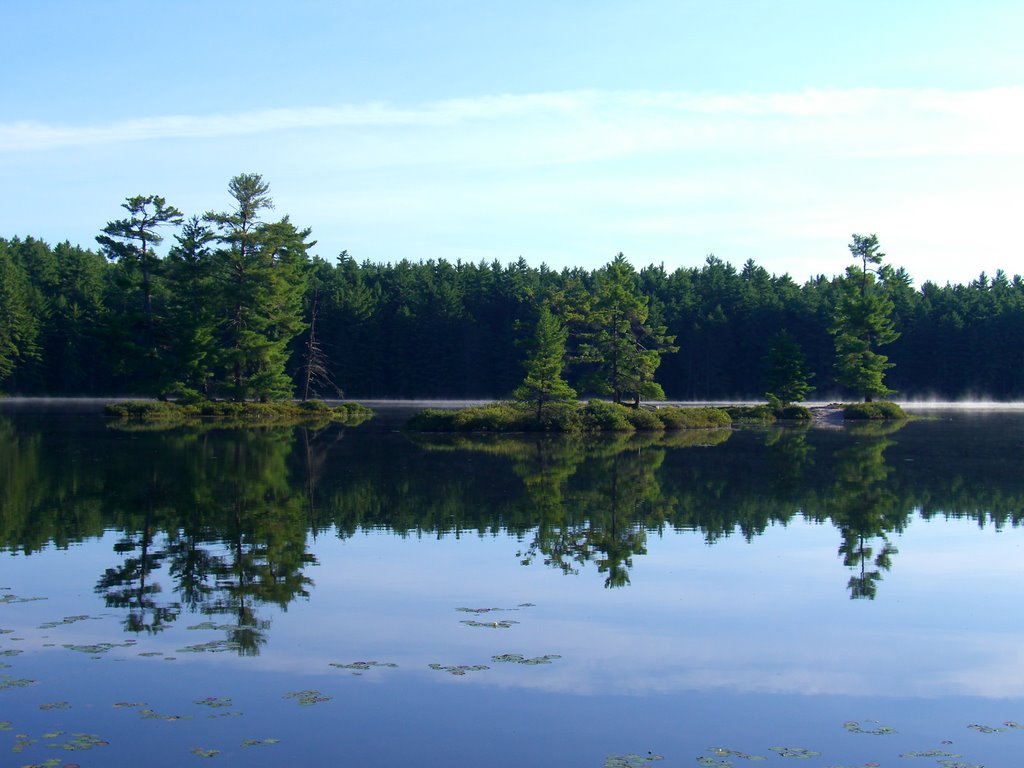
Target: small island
x,y
160,414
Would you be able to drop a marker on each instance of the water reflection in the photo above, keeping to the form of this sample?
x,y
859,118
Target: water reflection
x,y
218,523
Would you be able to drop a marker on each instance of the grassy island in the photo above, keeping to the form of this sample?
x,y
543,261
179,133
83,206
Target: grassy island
x,y
874,411
165,414
566,417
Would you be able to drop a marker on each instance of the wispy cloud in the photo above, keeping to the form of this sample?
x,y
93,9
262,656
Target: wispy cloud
x,y
586,124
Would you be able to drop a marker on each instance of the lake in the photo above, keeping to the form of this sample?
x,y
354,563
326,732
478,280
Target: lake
x,y
833,596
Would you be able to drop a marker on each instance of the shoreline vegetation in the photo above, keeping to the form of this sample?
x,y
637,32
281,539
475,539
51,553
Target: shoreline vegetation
x,y
168,414
499,417
603,416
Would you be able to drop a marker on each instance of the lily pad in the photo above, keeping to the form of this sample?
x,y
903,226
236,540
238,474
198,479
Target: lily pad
x,y
66,620
726,752
503,625
81,741
985,728
799,753
213,646
713,762
10,652
127,704
6,725
631,760
308,697
12,682
22,742
7,599
98,648
214,701
518,658
458,670
930,753
855,727
55,705
362,666
149,714
260,742
200,752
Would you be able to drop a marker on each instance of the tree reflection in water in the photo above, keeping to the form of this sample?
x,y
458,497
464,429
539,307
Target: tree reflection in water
x,y
217,522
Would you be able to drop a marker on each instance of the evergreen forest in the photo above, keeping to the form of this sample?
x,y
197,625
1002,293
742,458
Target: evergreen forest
x,y
234,304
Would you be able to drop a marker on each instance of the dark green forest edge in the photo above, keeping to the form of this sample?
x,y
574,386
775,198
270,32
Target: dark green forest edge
x,y
237,309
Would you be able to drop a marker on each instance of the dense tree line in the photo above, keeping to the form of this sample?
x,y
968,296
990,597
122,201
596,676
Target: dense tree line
x,y
235,306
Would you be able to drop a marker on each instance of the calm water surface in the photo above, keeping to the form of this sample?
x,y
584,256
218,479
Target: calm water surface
x,y
356,596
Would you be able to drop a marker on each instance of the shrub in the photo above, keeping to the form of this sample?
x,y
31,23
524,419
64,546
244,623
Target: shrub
x,y
882,410
601,416
674,417
644,420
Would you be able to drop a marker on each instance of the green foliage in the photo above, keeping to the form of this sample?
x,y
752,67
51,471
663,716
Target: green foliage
x,y
259,271
874,411
566,417
544,384
674,417
788,382
19,329
863,323
200,411
618,340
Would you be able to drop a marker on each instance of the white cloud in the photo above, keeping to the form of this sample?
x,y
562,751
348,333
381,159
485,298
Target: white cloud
x,y
579,125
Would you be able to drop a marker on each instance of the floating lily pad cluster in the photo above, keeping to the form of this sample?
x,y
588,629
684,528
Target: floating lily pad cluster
x,y
214,701
518,658
458,670
211,625
7,599
211,646
10,652
81,741
260,742
308,697
879,730
1008,725
362,666
96,649
726,752
55,705
11,682
503,624
67,620
930,753
800,753
149,714
631,760
201,752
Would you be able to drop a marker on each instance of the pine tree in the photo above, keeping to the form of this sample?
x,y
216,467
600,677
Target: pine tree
x,y
863,322
788,381
259,275
19,329
130,243
619,339
544,384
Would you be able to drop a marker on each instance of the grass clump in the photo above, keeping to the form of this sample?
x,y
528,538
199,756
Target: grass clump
x,y
768,413
166,414
566,417
882,410
674,417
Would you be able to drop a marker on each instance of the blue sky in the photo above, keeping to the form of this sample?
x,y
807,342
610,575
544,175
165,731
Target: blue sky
x,y
560,132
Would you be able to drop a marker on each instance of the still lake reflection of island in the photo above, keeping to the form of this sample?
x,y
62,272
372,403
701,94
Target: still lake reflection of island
x,y
595,599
